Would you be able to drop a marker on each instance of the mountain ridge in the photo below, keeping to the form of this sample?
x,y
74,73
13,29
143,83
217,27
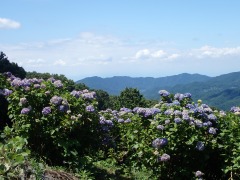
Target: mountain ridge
x,y
221,91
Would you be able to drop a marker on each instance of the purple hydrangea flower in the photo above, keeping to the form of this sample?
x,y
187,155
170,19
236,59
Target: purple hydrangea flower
x,y
164,93
167,121
7,92
46,110
164,158
212,117
212,130
207,124
177,113
90,108
120,120
127,120
127,110
159,143
178,120
168,112
58,84
179,96
37,86
160,127
200,146
56,100
89,95
25,110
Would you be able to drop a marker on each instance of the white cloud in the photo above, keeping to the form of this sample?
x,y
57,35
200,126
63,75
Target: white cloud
x,y
158,54
89,54
144,53
213,52
9,24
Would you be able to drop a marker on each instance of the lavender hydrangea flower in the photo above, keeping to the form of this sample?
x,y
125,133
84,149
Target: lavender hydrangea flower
x,y
200,146
127,120
88,95
164,93
7,92
120,120
56,100
159,143
58,84
212,130
37,86
187,95
167,121
126,110
25,110
164,158
198,123
90,108
46,110
160,127
212,117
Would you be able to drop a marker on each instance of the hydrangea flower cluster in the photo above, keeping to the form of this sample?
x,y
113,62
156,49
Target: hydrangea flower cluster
x,y
146,112
85,94
164,158
25,111
159,143
46,110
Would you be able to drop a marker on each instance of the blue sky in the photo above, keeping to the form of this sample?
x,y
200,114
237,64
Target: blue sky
x,y
110,38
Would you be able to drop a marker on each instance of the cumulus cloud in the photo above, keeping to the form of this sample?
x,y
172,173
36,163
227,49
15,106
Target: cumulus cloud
x,y
9,24
146,54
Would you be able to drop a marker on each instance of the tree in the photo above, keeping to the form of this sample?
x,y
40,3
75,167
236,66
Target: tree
x,y
131,97
6,66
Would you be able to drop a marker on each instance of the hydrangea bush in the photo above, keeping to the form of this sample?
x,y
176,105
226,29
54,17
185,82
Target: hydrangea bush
x,y
175,139
59,125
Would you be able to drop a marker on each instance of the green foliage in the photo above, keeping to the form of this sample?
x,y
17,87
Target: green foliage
x,y
130,98
15,162
6,66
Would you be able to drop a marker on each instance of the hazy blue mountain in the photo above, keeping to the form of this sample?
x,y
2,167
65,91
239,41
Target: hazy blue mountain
x,y
114,85
221,91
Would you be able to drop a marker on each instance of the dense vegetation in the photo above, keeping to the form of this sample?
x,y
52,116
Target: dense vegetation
x,y
50,127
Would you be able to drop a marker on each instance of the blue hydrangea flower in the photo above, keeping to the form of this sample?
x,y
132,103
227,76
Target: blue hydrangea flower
x,y
46,110
159,143
187,95
164,93
178,120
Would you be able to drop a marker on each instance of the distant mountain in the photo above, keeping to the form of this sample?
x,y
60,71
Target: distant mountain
x,y
116,84
221,91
